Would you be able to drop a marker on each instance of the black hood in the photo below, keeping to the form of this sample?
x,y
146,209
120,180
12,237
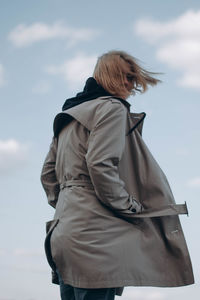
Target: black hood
x,y
91,91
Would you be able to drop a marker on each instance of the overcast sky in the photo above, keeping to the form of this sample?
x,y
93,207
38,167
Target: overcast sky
x,y
47,50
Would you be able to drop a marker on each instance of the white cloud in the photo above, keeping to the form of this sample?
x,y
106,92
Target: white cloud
x,y
194,182
2,72
13,155
24,35
178,44
187,25
76,70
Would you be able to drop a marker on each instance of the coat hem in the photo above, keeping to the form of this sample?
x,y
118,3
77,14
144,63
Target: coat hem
x,y
123,283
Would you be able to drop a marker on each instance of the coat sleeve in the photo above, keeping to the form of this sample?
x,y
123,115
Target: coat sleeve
x,y
105,147
48,175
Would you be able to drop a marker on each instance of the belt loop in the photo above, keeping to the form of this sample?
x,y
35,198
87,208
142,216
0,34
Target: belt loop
x,y
76,182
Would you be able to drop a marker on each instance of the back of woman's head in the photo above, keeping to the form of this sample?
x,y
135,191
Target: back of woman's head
x,y
115,68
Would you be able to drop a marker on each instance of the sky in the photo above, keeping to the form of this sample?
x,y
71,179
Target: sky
x,y
47,50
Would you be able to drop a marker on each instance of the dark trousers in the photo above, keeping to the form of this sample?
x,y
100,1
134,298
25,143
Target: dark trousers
x,y
68,292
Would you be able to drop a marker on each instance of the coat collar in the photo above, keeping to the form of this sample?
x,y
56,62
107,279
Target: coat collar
x,y
85,117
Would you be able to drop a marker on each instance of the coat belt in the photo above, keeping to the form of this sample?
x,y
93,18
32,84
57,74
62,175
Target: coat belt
x,y
166,210
74,182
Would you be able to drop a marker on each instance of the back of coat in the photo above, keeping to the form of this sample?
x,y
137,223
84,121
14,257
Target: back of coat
x,y
97,176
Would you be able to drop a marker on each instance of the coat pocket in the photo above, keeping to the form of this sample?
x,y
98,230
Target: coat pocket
x,y
50,225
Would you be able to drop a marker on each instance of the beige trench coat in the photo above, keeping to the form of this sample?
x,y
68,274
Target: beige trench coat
x,y
98,175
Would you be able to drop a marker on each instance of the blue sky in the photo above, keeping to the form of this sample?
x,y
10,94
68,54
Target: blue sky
x,y
47,51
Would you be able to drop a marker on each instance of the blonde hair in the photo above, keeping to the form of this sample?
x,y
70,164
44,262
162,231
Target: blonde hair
x,y
114,66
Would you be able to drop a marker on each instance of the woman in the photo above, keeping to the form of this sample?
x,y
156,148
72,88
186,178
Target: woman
x,y
116,222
